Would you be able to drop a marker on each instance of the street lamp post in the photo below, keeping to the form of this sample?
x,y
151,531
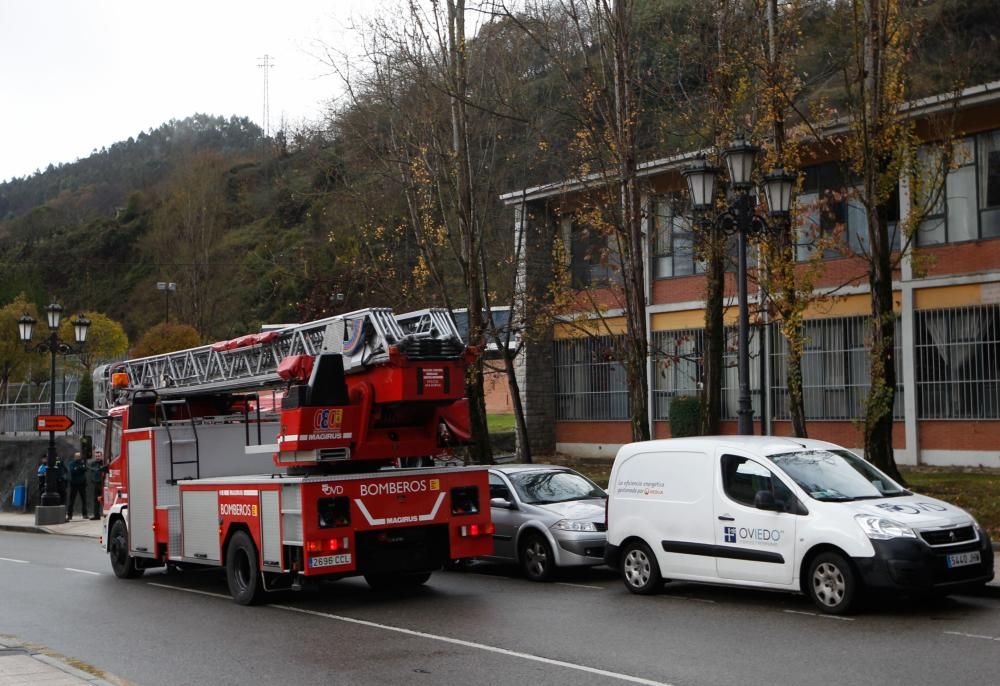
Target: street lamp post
x,y
167,287
740,217
53,345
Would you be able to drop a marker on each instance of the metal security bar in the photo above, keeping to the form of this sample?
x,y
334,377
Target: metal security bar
x,y
730,373
836,370
590,382
677,367
18,420
958,362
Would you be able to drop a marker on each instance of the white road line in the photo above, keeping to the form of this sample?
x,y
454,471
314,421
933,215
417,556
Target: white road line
x,y
11,559
81,571
818,614
445,639
965,635
563,583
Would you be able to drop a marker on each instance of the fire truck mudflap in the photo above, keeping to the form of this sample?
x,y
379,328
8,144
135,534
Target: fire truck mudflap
x,y
393,526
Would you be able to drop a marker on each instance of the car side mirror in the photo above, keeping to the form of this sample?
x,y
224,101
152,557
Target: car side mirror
x,y
764,500
502,503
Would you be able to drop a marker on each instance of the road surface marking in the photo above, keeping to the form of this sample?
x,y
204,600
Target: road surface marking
x,y
10,559
563,583
444,639
964,635
817,614
81,571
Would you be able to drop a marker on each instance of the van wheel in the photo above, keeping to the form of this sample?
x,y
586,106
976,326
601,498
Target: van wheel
x,y
640,571
122,563
832,584
242,571
535,556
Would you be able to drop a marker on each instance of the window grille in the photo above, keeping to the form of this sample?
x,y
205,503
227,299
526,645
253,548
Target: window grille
x,y
958,363
836,370
677,367
590,382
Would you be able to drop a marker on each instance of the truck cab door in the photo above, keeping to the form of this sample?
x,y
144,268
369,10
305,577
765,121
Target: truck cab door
x,y
754,534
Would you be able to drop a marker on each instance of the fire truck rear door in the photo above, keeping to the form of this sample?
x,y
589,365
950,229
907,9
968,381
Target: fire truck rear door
x,y
140,497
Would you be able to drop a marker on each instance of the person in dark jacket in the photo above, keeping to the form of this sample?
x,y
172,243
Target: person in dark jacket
x,y
97,470
77,486
42,467
60,473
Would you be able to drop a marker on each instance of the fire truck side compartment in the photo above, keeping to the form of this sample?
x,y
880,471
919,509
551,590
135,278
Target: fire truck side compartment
x,y
140,488
201,514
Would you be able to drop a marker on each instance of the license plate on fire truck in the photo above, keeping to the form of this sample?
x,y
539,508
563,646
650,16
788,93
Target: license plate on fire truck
x,y
330,561
963,559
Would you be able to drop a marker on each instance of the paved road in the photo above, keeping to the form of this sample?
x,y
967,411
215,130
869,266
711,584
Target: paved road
x,y
486,626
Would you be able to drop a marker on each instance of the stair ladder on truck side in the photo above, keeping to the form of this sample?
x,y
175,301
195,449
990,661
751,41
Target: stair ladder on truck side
x,y
251,362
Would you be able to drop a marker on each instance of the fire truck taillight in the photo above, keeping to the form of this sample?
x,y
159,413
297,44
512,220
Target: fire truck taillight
x,y
314,546
478,530
465,500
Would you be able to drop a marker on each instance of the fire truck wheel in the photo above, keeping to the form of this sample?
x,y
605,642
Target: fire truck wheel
x,y
242,571
386,582
535,556
122,563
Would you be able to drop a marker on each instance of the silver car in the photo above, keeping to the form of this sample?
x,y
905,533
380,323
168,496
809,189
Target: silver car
x,y
546,517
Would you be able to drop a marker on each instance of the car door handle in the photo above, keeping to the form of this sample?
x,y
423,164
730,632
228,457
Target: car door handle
x,y
726,518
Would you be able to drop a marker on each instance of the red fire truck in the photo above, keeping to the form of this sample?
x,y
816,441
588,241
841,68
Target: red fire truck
x,y
277,455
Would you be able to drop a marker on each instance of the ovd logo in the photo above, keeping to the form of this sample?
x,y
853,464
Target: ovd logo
x,y
730,532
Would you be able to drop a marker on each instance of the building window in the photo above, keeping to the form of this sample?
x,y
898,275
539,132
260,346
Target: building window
x,y
958,363
731,373
673,238
590,382
950,210
836,369
593,260
677,367
988,154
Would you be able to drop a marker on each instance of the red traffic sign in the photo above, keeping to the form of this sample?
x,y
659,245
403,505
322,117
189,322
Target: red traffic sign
x,y
52,422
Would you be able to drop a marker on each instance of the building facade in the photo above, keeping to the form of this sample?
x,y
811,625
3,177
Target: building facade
x,y
946,295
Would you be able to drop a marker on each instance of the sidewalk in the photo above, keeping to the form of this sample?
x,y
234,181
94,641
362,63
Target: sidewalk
x,y
25,665
16,521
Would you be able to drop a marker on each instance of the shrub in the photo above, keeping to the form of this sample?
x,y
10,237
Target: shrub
x,y
685,416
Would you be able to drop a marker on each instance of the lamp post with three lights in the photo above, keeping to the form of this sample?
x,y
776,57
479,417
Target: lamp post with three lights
x,y
54,346
740,217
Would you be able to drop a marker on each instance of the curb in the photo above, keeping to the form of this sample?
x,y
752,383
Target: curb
x,y
86,677
59,663
43,530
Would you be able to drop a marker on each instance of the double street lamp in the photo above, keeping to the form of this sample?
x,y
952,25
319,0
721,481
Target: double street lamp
x,y
167,287
740,217
54,346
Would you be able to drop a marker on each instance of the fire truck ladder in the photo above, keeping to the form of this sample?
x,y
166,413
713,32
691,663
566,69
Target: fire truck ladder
x,y
250,363
184,443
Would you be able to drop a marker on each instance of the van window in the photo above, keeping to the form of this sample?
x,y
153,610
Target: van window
x,y
742,478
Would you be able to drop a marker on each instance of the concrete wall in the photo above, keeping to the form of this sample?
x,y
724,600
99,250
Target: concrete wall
x,y
19,460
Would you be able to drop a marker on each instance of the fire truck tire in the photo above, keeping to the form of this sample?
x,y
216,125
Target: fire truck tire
x,y
536,558
242,571
386,582
122,563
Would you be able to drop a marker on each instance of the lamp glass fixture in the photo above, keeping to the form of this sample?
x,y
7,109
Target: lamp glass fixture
x,y
700,176
25,325
54,313
739,158
80,327
778,187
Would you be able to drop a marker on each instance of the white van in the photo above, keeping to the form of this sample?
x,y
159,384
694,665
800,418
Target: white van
x,y
781,513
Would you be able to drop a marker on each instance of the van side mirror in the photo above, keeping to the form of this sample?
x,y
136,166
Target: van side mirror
x,y
502,503
764,500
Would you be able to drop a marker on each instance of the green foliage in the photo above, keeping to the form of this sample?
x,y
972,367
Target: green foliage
x,y
685,416
85,393
165,338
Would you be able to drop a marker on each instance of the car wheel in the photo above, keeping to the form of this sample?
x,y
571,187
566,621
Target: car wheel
x,y
122,563
242,571
640,570
535,556
832,584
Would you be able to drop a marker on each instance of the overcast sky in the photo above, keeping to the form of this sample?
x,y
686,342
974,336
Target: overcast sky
x,y
79,75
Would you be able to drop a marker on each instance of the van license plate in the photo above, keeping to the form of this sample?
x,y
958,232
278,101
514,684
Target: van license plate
x,y
963,559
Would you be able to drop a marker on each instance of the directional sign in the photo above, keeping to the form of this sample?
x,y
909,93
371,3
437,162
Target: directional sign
x,y
52,422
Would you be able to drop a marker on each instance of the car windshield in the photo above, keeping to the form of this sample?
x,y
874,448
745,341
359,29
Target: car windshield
x,y
539,487
837,475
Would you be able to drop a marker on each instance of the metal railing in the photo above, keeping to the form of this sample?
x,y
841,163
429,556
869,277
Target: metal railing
x,y
18,420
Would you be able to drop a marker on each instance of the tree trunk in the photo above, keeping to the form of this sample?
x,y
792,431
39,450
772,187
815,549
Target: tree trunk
x,y
715,336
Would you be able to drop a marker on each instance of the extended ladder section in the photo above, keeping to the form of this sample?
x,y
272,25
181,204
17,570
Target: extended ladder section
x,y
363,338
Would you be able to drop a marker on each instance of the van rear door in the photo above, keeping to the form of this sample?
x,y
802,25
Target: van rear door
x,y
751,543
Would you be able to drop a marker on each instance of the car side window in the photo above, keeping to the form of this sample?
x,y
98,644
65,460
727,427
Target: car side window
x,y
742,478
499,489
